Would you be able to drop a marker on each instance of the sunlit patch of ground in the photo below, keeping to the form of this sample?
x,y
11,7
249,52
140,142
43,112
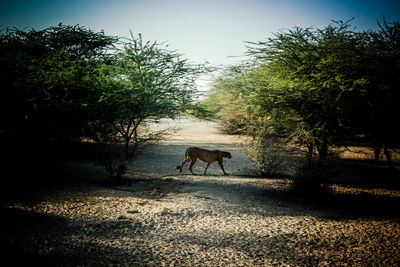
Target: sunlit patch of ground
x,y
370,191
366,153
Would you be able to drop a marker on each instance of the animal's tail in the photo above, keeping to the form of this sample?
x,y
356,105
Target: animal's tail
x,y
180,167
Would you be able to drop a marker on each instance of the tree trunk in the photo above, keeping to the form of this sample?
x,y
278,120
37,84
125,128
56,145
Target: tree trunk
x,y
323,147
377,152
126,148
310,152
388,156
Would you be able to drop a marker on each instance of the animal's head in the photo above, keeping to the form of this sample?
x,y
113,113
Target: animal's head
x,y
226,155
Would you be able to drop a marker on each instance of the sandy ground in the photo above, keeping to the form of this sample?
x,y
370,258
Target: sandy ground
x,y
166,218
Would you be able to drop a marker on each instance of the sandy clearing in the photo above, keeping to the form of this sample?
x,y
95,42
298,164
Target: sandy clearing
x,y
167,218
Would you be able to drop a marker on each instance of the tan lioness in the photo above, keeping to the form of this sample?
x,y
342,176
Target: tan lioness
x,y
209,156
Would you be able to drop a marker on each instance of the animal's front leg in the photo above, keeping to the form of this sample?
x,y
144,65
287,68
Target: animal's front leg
x,y
222,166
208,164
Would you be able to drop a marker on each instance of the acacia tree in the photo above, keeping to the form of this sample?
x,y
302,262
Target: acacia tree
x,y
148,82
224,100
45,78
324,77
380,105
245,98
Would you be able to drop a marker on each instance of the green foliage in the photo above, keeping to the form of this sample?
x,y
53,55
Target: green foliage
x,y
224,100
312,89
248,101
326,73
46,81
148,82
68,83
381,101
200,110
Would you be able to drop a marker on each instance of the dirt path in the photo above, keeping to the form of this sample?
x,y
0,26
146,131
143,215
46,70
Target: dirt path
x,y
167,218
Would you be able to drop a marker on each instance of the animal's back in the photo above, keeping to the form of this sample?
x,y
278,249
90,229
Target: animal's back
x,y
202,154
209,156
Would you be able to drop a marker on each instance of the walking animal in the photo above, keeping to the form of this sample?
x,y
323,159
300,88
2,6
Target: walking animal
x,y
209,156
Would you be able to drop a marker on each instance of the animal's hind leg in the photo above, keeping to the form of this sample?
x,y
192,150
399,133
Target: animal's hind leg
x,y
191,165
